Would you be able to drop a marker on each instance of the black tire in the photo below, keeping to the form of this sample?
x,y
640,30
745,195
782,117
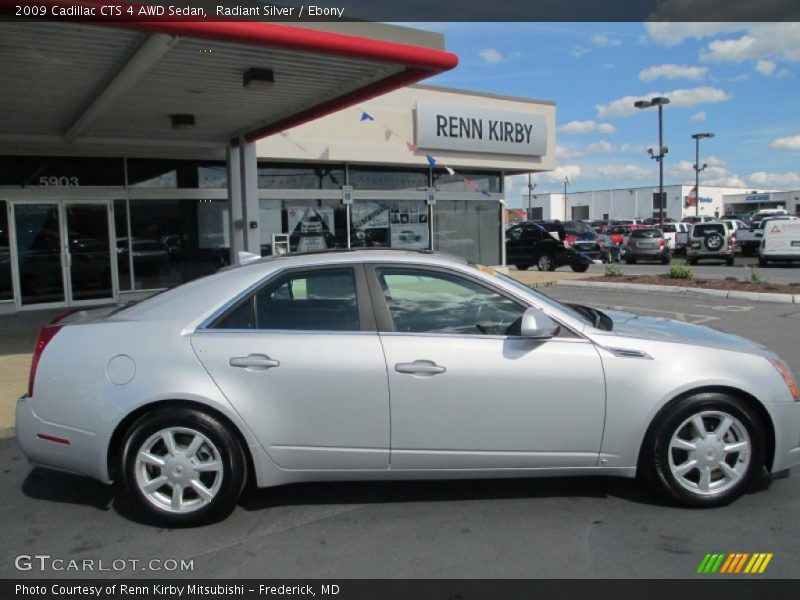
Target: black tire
x,y
521,267
655,457
693,262
665,260
580,268
233,470
729,261
747,251
762,262
546,262
630,261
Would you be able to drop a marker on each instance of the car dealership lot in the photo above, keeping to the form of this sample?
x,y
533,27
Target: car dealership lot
x,y
583,527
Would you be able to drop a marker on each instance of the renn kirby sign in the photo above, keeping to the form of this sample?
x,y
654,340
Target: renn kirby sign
x,y
479,130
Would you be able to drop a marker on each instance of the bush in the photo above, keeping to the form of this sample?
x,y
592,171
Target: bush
x,y
756,276
678,269
613,270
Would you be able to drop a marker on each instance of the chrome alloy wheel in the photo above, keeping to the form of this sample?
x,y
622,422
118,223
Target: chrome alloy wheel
x,y
544,263
178,470
709,452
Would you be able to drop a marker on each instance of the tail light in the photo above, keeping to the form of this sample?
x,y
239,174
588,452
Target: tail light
x,y
661,243
569,240
730,241
46,334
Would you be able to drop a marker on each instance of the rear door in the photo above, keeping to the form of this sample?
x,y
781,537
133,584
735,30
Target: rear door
x,y
300,360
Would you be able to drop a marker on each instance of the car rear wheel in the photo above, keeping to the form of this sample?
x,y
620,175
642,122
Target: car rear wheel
x,y
580,268
762,262
729,261
546,263
182,467
705,450
522,267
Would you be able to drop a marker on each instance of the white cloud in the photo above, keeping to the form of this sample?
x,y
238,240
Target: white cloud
x,y
699,116
580,127
579,51
563,152
715,173
635,148
491,56
602,146
670,71
765,67
772,180
760,40
786,143
623,107
623,172
573,172
604,41
674,33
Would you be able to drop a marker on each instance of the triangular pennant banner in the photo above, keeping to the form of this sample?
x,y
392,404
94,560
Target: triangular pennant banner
x,y
485,193
470,183
431,160
366,116
450,171
411,147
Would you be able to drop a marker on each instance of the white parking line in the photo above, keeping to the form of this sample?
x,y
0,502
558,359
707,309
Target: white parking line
x,y
726,307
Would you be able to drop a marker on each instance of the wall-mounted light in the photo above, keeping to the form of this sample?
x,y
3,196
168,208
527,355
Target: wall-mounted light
x,y
182,122
258,80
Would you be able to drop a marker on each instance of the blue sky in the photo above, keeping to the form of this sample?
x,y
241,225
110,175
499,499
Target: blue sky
x,y
740,81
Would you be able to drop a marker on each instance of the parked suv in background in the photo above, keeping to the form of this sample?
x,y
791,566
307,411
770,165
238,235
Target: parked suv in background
x,y
527,244
709,240
647,244
577,235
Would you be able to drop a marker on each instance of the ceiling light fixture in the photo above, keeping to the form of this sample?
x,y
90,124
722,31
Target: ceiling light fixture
x,y
258,80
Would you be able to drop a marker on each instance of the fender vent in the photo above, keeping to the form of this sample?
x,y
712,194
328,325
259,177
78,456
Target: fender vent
x,y
628,353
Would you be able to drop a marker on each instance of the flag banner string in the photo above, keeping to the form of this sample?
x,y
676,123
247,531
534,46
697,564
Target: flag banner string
x,y
432,160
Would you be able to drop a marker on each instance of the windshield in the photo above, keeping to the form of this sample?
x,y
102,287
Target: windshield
x,y
646,233
580,230
546,300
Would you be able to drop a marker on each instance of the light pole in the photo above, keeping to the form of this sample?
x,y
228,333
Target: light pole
x,y
566,183
660,102
697,168
531,187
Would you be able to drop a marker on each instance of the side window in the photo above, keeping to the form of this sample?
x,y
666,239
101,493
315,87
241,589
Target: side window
x,y
430,302
514,233
531,235
310,301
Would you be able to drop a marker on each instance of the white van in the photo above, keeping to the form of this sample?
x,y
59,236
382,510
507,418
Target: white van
x,y
780,242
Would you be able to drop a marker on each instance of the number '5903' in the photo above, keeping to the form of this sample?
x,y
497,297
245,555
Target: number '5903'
x,y
59,181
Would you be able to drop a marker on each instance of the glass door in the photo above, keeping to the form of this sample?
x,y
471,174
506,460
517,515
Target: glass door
x,y
87,231
39,257
63,253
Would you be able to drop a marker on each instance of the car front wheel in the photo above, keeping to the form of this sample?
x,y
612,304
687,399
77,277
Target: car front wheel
x,y
546,263
705,450
182,467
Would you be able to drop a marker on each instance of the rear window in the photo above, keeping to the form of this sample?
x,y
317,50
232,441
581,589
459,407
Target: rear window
x,y
707,229
669,228
646,233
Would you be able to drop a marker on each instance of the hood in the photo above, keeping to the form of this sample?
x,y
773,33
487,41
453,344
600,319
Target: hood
x,y
668,330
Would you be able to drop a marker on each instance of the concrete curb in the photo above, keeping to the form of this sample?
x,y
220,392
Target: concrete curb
x,y
676,289
7,432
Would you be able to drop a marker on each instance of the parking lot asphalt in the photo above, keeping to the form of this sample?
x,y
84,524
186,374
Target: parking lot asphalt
x,y
571,527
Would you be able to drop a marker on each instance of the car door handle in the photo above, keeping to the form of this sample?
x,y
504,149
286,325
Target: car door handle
x,y
420,367
254,362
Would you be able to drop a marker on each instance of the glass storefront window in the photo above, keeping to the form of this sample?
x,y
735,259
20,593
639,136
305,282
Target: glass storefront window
x,y
383,178
310,224
61,171
389,224
300,177
123,244
489,181
174,241
191,174
468,228
6,291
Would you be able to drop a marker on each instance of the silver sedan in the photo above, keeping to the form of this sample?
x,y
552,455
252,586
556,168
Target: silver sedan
x,y
380,364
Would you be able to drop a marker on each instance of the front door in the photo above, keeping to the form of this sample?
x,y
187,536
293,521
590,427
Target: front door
x,y
467,392
63,252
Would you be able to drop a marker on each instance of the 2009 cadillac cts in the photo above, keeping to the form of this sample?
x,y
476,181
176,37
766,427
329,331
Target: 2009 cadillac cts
x,y
380,364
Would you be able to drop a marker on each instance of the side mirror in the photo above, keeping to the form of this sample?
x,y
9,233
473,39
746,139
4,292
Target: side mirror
x,y
537,325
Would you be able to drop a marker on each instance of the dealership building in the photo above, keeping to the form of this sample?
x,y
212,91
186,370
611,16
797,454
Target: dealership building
x,y
144,156
643,202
